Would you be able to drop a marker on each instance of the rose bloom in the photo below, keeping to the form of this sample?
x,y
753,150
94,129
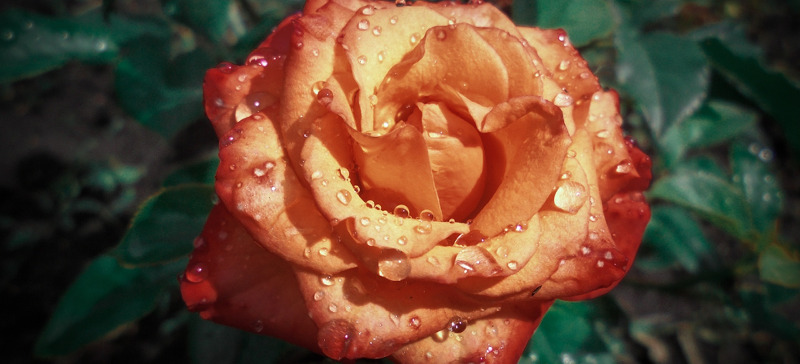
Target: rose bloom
x,y
420,182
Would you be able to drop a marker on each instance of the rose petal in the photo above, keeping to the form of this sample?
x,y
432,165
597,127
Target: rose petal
x,y
366,37
259,188
434,71
233,281
498,338
328,162
361,315
456,156
534,140
254,87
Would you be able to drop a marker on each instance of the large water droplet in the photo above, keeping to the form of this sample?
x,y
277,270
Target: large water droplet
x,y
570,196
325,96
393,265
414,322
402,211
457,324
196,272
563,100
343,196
363,24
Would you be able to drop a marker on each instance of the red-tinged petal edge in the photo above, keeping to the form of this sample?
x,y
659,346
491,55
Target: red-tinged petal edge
x,y
233,281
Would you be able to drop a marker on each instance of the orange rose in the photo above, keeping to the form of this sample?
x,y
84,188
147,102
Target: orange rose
x,y
418,181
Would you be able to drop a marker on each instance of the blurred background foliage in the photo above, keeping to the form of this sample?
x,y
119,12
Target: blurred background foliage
x,y
108,169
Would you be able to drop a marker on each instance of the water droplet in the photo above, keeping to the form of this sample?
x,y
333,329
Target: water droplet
x,y
765,155
600,264
258,326
393,20
400,2
566,175
512,265
324,252
414,322
298,45
319,295
363,24
571,153
402,240
381,56
316,175
624,167
343,196
502,251
326,280
427,215
603,134
393,265
441,34
364,221
225,67
414,38
593,218
563,65
457,324
424,227
101,45
608,255
402,211
362,59
325,96
8,35
333,308
196,272
563,100
570,196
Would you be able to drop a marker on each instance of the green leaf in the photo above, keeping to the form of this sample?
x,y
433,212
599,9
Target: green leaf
x,y
732,55
211,343
674,237
666,74
166,225
584,20
31,44
209,17
199,172
753,173
707,194
103,298
778,266
162,93
567,332
714,123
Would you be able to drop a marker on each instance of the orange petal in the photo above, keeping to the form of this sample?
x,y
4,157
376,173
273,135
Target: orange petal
x,y
262,191
362,315
328,160
456,156
233,281
526,159
230,91
498,338
374,41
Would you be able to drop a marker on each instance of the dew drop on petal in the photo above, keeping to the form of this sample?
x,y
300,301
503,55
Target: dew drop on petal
x,y
570,196
457,324
362,59
326,280
402,211
402,240
363,24
512,265
393,265
414,322
196,272
325,96
563,100
319,295
343,196
364,221
424,227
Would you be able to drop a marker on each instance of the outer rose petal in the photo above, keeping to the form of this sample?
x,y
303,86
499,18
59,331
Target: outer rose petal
x,y
498,338
233,281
